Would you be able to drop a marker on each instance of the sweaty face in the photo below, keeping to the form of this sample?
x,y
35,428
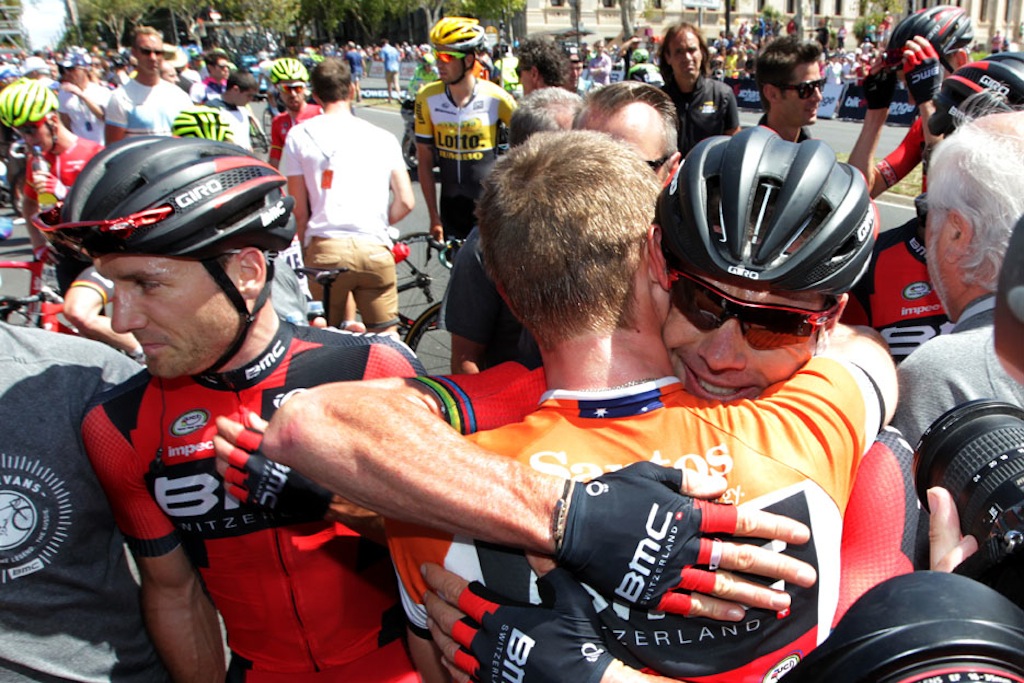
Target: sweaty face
x,y
719,364
789,110
683,55
182,319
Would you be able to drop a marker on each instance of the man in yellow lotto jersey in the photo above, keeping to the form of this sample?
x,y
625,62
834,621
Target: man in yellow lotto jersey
x,y
458,116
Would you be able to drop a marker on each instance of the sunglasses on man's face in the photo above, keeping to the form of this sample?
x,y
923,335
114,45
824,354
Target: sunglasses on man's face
x,y
803,90
293,88
765,326
449,57
150,52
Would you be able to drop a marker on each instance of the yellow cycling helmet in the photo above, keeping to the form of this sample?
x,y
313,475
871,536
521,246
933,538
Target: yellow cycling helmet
x,y
26,101
202,122
459,34
288,70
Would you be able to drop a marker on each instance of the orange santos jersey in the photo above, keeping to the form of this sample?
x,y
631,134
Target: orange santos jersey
x,y
794,451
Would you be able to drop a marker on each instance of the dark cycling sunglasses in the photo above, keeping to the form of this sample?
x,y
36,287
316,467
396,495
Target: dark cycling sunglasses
x,y
805,89
100,237
764,326
299,87
148,51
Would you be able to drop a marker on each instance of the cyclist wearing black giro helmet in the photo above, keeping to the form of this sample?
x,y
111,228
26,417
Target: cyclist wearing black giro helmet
x,y
896,295
186,229
925,47
762,240
458,117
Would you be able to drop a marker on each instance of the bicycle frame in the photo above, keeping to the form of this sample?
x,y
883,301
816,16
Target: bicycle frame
x,y
45,312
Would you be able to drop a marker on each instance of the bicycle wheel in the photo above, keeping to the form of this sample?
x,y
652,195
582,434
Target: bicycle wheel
x,y
409,152
433,345
422,277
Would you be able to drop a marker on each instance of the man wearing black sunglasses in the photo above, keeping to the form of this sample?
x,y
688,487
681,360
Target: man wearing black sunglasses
x,y
765,310
789,80
146,104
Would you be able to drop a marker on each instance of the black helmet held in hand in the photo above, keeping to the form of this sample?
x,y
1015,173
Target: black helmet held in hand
x,y
947,27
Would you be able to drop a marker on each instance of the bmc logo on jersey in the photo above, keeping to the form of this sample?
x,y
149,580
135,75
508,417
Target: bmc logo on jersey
x,y
191,421
916,290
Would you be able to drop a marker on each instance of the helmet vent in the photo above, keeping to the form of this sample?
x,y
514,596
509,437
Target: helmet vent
x,y
760,216
715,208
816,217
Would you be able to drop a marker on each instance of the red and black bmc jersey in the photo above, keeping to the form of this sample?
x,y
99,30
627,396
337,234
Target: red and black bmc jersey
x,y
285,609
895,294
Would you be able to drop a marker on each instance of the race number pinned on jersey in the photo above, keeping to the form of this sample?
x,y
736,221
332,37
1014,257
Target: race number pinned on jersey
x,y
327,179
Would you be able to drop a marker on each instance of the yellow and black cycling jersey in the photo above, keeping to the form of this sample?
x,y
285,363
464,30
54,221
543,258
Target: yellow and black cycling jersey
x,y
466,138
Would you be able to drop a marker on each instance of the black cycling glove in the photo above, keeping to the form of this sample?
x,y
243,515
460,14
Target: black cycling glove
x,y
254,479
550,643
632,536
924,74
879,87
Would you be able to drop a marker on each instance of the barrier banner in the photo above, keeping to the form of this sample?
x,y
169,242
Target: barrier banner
x,y
901,111
745,89
830,97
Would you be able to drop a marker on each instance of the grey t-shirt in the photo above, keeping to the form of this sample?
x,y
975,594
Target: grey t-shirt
x,y
70,607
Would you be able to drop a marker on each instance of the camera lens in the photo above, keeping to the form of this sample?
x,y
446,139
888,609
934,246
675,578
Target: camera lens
x,y
922,627
976,452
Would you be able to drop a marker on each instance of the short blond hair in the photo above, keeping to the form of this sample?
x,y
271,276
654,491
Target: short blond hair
x,y
145,31
564,239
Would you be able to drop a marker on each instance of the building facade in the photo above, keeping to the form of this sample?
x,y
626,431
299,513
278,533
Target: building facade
x,y
595,19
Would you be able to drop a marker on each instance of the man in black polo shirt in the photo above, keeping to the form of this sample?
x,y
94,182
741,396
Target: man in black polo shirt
x,y
705,107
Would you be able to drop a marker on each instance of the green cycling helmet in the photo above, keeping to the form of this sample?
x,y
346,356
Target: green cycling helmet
x,y
26,101
202,122
288,70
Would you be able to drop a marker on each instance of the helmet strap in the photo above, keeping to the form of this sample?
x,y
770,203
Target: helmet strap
x,y
220,276
465,70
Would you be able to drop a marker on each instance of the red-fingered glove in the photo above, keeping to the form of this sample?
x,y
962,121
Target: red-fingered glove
x,y
254,479
631,535
923,72
550,643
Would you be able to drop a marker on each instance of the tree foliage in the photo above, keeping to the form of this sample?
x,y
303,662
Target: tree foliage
x,y
115,16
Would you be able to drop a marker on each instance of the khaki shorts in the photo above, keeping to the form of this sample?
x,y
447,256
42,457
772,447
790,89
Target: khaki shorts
x,y
391,78
370,279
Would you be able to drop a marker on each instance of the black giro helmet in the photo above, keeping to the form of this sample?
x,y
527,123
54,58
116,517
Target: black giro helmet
x,y
758,212
946,27
990,85
202,198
